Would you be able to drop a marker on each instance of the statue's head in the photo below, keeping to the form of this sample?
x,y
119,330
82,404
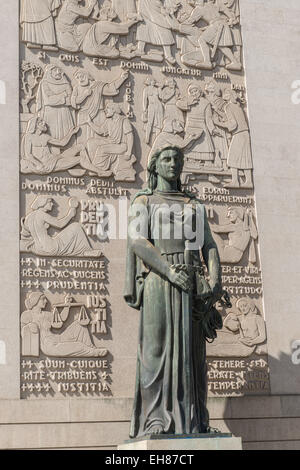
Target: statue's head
x,y
230,95
246,305
43,202
82,77
212,87
235,214
112,108
166,163
41,125
195,91
35,299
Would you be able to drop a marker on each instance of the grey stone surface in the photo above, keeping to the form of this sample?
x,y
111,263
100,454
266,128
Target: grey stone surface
x,y
9,207
270,71
185,444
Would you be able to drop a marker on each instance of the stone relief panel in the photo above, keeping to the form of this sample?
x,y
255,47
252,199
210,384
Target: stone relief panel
x,y
103,85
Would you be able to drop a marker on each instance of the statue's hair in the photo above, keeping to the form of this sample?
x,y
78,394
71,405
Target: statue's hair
x,y
239,210
32,299
152,174
250,302
40,201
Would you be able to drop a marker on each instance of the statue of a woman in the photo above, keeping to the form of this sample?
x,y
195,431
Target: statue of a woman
x,y
165,282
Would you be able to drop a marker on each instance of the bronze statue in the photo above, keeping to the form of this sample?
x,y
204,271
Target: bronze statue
x,y
165,281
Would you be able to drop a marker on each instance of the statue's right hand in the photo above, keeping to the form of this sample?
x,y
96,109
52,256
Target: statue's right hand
x,y
179,278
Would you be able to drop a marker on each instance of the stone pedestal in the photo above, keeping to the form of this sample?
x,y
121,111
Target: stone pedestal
x,y
184,442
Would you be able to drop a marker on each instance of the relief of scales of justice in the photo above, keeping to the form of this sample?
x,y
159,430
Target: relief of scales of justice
x,y
74,340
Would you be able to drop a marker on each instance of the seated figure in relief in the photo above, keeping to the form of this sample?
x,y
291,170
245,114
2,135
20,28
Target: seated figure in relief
x,y
88,100
241,232
37,331
70,241
103,36
70,35
36,150
243,333
111,152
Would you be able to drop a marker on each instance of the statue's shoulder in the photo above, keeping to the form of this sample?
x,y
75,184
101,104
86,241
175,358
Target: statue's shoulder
x,y
193,198
141,197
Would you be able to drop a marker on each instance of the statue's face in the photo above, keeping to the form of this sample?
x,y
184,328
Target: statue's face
x,y
170,83
83,79
232,215
109,110
42,302
244,307
49,205
57,73
195,92
42,126
226,95
169,165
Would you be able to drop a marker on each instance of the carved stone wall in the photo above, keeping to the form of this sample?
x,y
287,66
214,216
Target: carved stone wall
x,y
103,84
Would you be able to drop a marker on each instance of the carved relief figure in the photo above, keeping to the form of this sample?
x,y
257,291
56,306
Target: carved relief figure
x,y
153,110
125,9
70,35
53,102
169,95
112,152
243,334
38,331
214,95
199,121
102,37
200,47
156,29
240,155
36,150
70,241
37,22
87,99
30,76
236,27
241,231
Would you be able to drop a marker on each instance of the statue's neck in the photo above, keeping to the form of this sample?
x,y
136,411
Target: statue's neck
x,y
164,185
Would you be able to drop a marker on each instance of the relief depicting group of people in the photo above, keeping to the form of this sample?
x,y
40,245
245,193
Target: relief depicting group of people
x,y
216,131
84,25
104,135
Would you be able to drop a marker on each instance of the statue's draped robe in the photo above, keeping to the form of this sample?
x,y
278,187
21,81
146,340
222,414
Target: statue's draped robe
x,y
53,104
37,21
160,392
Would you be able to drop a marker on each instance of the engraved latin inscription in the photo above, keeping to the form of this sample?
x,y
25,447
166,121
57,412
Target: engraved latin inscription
x,y
103,85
